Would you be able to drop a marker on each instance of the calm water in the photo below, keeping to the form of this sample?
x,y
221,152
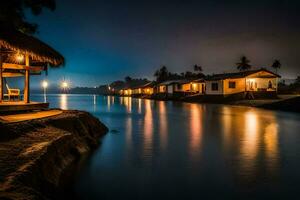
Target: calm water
x,y
169,150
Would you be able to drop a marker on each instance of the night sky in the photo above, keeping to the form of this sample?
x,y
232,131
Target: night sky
x,y
103,41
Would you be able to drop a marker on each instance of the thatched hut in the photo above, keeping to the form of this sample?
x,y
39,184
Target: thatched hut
x,y
23,55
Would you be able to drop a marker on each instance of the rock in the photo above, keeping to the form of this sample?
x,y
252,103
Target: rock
x,y
36,156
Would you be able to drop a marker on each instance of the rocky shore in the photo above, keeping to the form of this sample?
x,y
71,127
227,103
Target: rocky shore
x,y
37,156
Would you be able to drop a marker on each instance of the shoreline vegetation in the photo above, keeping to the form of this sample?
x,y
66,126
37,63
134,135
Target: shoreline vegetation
x,y
37,156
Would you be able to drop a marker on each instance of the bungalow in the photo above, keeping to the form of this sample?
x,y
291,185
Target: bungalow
x,y
261,80
125,92
148,89
182,86
169,87
22,56
196,86
137,91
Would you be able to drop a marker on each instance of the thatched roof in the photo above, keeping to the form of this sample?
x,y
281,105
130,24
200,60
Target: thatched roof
x,y
39,51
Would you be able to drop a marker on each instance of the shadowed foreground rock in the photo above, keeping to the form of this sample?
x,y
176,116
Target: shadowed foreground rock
x,y
36,156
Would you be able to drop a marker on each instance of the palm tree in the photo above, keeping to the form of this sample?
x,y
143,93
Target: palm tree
x,y
198,68
244,64
162,74
276,65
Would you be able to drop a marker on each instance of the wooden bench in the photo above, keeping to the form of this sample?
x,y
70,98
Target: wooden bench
x,y
12,93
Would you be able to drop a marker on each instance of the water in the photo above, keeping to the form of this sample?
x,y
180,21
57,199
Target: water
x,y
172,150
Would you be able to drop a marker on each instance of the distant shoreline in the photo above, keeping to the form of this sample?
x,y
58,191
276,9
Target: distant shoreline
x,y
288,103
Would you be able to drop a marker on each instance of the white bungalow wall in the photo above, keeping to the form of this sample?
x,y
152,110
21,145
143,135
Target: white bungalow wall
x,y
209,90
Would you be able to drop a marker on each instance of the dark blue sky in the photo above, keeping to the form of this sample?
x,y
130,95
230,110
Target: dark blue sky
x,y
104,41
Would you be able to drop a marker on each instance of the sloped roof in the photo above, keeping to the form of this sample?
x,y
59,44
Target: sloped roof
x,y
135,85
237,74
150,84
179,81
14,40
199,80
139,85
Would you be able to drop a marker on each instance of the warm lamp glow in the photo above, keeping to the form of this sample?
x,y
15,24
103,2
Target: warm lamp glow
x,y
64,85
251,80
19,57
44,84
194,86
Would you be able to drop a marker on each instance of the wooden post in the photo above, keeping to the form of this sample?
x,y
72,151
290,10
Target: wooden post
x,y
1,78
27,81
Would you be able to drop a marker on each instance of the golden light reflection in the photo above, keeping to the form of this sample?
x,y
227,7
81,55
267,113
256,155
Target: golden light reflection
x,y
64,101
128,103
163,123
195,128
108,102
250,142
227,123
258,138
271,146
148,129
139,106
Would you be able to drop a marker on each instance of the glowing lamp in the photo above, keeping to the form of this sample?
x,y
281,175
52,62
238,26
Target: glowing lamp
x,y
64,84
194,86
19,57
44,84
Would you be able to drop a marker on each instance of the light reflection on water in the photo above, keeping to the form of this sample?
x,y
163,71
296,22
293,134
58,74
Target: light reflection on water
x,y
195,129
64,101
163,124
148,131
177,150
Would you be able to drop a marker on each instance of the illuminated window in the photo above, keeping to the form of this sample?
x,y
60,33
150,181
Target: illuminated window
x,y
214,86
232,84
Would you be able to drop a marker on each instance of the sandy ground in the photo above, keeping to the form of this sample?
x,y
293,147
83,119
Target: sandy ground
x,y
261,102
29,116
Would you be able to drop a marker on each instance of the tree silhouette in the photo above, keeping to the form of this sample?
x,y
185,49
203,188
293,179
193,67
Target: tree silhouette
x,y
162,74
297,81
276,65
244,64
128,79
12,13
198,68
